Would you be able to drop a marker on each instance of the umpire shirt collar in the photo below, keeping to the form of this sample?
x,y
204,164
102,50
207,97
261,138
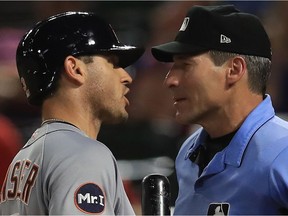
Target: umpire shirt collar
x,y
233,153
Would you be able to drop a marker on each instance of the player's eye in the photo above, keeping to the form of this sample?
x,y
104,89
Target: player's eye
x,y
113,59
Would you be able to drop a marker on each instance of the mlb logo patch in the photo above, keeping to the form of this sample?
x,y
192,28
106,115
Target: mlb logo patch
x,y
89,198
218,209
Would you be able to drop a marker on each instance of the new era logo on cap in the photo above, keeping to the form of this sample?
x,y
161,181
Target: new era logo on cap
x,y
224,39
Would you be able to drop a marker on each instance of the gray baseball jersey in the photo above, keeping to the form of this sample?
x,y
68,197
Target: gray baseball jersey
x,y
62,171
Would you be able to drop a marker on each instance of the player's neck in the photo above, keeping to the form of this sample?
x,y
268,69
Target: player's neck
x,y
72,114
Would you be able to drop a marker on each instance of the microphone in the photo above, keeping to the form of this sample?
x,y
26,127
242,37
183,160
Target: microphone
x,y
155,195
193,157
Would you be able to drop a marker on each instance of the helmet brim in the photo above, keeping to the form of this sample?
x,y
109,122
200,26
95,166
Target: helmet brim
x,y
127,55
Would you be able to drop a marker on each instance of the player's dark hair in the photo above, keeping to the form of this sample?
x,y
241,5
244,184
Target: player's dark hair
x,y
259,69
86,59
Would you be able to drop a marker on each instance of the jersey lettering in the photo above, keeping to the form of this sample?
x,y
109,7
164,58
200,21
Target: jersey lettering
x,y
91,199
30,182
3,188
22,179
14,181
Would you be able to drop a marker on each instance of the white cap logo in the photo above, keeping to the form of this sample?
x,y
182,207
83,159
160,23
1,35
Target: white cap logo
x,y
224,39
184,24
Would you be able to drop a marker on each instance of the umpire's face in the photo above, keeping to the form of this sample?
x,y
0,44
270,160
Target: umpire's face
x,y
106,88
198,88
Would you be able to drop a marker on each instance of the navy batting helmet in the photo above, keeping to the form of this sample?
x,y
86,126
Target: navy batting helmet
x,y
43,49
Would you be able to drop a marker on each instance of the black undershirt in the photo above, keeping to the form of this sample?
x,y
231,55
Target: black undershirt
x,y
210,148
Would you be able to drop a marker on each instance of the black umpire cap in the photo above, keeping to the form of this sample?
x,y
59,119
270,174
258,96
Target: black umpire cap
x,y
222,28
43,49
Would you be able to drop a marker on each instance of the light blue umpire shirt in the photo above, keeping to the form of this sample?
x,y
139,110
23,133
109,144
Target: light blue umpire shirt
x,y
249,176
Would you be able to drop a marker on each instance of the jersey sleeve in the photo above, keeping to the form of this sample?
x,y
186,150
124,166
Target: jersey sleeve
x,y
82,178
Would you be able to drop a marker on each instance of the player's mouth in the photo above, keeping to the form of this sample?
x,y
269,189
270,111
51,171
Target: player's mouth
x,y
127,103
125,98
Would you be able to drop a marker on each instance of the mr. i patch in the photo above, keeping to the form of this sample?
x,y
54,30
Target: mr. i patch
x,y
90,198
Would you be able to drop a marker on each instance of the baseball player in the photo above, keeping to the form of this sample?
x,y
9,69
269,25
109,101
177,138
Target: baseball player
x,y
236,163
71,65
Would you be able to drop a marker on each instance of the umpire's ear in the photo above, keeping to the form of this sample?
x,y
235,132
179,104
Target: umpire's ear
x,y
237,68
74,70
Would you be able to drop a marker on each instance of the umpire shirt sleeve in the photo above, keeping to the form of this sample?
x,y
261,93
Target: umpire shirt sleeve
x,y
278,179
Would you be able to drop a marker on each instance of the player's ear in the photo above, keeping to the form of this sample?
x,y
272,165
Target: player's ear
x,y
236,69
74,70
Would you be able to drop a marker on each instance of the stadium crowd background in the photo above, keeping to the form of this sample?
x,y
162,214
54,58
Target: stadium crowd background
x,y
149,141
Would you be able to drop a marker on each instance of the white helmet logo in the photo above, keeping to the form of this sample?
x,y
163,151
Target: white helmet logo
x,y
24,86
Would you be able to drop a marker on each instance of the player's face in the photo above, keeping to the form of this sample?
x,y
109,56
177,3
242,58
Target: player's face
x,y
106,89
197,87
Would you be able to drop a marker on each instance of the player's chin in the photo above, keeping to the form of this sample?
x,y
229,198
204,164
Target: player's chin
x,y
118,117
124,117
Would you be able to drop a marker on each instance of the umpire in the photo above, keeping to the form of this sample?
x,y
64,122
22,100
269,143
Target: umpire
x,y
236,163
71,65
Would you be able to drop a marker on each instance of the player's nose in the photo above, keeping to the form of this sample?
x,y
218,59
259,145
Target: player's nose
x,y
125,76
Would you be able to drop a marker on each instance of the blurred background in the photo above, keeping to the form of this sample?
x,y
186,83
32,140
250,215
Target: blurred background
x,y
149,141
